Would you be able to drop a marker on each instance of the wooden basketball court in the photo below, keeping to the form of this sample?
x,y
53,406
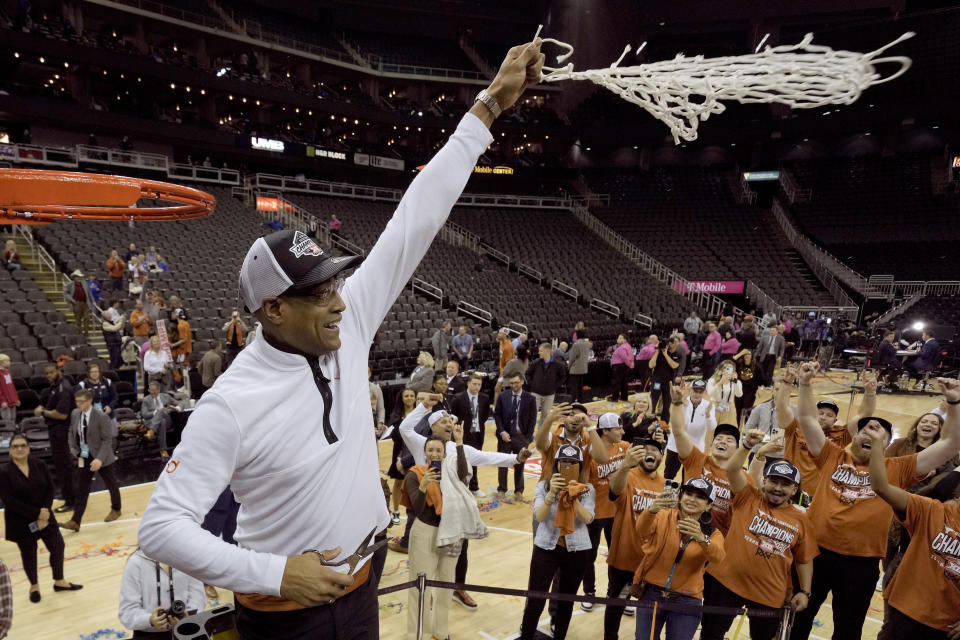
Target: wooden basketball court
x,y
95,557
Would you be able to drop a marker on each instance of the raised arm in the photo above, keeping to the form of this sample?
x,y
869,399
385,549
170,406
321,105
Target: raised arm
x,y
598,450
949,443
782,401
542,435
807,407
759,461
678,423
618,481
738,479
868,403
894,495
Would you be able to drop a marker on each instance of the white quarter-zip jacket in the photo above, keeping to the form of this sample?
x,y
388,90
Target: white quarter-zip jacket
x,y
475,457
259,428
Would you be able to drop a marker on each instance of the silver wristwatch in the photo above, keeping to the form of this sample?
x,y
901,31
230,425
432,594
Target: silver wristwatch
x,y
489,102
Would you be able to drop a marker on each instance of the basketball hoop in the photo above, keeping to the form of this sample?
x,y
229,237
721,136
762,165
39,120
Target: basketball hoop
x,y
801,76
38,196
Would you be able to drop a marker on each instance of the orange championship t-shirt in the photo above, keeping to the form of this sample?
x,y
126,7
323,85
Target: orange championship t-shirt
x,y
699,465
638,494
506,355
183,333
140,322
556,439
116,267
926,587
848,517
661,544
599,477
762,545
795,450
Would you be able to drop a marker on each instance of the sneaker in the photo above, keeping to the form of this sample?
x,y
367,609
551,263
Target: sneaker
x,y
587,606
479,493
463,598
630,611
625,593
395,518
518,496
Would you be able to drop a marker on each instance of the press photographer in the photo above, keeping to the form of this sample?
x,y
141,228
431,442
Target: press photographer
x,y
154,597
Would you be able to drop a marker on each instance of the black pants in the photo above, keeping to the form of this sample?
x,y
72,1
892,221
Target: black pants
x,y
352,617
116,284
53,541
617,579
113,341
852,580
543,564
767,365
83,489
671,465
900,626
231,351
604,525
475,440
153,635
461,571
509,447
575,386
714,626
621,374
63,461
221,520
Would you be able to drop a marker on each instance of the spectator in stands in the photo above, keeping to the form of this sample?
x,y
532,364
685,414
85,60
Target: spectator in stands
x,y
156,363
146,596
928,357
748,333
516,416
422,377
472,408
562,507
136,276
181,345
140,322
130,252
78,295
580,353
116,268
236,329
151,257
747,375
91,445
691,327
176,307
155,306
850,525
723,388
334,225
55,407
676,547
9,398
211,365
155,409
112,328
403,406
95,289
711,350
26,489
161,266
768,536
769,355
105,397
11,257
663,370
440,342
621,363
545,376
887,360
462,347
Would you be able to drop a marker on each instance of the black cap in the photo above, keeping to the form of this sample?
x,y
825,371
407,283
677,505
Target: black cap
x,y
569,453
728,429
783,469
287,260
702,486
828,404
883,423
654,443
582,408
698,384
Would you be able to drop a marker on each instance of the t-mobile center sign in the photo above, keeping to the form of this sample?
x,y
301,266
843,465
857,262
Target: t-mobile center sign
x,y
709,286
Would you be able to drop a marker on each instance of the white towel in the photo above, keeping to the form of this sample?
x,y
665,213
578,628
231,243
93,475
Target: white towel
x,y
460,519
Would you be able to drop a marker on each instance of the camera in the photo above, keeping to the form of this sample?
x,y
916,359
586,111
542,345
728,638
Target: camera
x,y
177,610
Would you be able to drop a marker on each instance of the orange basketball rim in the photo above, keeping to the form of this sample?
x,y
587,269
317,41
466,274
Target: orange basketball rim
x,y
39,196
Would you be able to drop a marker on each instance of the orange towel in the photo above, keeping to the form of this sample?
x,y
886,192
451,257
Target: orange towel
x,y
434,497
566,514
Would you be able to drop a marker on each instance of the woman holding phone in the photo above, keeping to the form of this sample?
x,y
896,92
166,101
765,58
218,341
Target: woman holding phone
x,y
27,493
563,506
422,489
678,539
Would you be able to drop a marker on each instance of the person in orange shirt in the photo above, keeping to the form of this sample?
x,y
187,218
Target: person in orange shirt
x,y
696,463
117,268
140,321
678,540
633,488
575,429
181,344
923,597
849,521
768,536
795,447
611,431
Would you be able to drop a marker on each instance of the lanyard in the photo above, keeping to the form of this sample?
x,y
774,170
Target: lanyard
x,y
676,562
169,580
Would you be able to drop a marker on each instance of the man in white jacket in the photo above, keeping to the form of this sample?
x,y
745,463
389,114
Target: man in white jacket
x,y
288,425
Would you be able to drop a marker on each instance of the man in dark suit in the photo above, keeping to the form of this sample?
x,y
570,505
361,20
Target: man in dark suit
x,y
455,383
769,354
91,444
472,408
516,417
887,360
926,360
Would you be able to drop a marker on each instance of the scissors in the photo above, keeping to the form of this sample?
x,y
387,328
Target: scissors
x,y
363,551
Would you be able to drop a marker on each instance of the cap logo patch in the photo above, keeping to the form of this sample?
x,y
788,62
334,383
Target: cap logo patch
x,y
782,468
303,245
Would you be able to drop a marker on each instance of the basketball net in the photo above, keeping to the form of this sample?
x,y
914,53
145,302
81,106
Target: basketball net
x,y
684,91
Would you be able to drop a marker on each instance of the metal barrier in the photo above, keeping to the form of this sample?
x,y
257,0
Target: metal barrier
x,y
496,254
516,327
565,289
422,286
530,272
475,312
605,307
643,321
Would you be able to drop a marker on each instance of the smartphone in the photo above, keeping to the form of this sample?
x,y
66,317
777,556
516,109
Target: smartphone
x,y
435,465
673,487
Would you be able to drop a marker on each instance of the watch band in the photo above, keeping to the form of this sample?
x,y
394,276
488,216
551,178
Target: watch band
x,y
489,102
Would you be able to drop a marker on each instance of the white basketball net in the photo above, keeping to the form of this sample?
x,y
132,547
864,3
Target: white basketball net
x,y
683,91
